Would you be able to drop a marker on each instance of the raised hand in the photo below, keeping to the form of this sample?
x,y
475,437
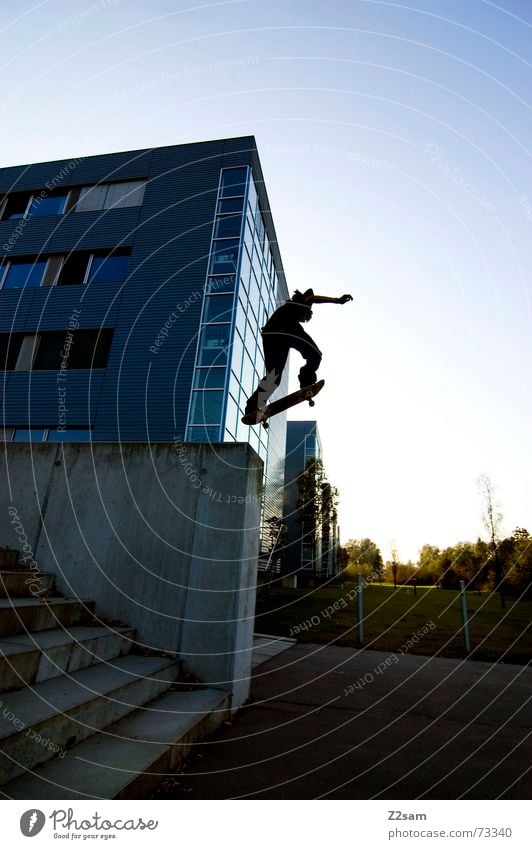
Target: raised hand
x,y
344,299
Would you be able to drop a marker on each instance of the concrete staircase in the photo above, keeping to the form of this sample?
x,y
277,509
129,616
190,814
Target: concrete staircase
x,y
82,715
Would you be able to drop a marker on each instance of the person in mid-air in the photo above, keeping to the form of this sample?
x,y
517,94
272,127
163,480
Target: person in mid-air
x,y
283,331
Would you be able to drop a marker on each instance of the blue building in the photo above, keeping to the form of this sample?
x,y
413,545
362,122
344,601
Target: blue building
x,y
310,509
132,289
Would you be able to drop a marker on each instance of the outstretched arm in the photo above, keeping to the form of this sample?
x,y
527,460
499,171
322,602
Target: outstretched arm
x,y
323,299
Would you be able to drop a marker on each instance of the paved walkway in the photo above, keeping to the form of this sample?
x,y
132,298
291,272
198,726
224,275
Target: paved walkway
x,y
325,722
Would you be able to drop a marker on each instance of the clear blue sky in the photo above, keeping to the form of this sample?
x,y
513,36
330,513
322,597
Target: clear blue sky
x,y
395,141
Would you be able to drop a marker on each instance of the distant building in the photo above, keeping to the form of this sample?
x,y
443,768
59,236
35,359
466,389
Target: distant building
x,y
133,287
310,508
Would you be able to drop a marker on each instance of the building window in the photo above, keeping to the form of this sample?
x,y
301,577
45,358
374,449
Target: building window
x,y
71,270
225,283
209,378
72,434
111,268
110,196
228,227
224,257
214,344
234,181
47,204
22,272
218,308
10,345
78,349
33,204
206,408
29,434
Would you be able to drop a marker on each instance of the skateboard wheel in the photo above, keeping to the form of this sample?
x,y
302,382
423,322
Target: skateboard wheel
x,y
311,402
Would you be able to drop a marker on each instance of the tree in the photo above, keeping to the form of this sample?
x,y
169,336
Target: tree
x,y
492,519
364,556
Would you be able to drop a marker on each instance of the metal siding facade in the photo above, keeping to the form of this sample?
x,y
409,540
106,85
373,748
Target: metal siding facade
x,y
140,395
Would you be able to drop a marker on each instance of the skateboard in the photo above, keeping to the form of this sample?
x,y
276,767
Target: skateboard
x,y
261,416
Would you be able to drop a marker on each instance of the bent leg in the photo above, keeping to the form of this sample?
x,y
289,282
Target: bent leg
x,y
276,347
310,352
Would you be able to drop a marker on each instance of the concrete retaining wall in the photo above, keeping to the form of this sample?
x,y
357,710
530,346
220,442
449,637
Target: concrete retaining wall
x,y
162,537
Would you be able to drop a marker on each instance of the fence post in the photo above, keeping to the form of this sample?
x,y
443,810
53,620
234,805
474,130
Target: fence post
x,y
465,621
360,609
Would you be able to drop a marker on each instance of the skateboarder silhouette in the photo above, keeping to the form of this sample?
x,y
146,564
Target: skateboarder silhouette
x,y
283,331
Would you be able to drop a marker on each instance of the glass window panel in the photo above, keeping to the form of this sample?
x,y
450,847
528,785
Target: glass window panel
x,y
232,414
209,378
108,269
91,198
214,345
73,269
259,226
218,308
225,283
206,408
252,196
24,434
233,181
236,353
125,194
203,434
228,227
245,269
10,345
49,205
73,349
16,205
22,274
230,205
248,375
248,237
69,435
254,294
224,258
241,318
234,384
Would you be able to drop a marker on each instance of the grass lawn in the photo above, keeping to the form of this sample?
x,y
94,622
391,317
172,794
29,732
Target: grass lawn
x,y
392,617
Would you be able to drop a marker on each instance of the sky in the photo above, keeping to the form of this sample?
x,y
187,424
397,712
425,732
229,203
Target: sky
x,y
395,143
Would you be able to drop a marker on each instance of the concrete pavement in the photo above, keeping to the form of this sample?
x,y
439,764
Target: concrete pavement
x,y
333,722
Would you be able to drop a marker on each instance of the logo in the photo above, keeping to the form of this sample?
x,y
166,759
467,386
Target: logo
x,y
32,822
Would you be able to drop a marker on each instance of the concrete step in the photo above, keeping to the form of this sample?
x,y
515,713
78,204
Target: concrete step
x,y
31,658
25,583
128,759
24,615
45,720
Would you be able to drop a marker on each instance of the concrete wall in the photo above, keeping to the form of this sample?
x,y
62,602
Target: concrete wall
x,y
161,536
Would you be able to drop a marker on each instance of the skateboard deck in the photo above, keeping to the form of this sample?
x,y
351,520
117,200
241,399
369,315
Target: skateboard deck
x,y
261,416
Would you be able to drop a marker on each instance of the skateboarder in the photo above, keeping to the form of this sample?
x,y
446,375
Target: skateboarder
x,y
283,331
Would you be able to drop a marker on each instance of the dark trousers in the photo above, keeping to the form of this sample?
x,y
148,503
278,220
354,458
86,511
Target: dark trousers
x,y
276,346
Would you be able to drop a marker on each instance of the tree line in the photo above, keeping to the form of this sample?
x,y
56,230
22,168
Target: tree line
x,y
501,565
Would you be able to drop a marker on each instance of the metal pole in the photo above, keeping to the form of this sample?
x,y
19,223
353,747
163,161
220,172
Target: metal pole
x,y
464,616
360,610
